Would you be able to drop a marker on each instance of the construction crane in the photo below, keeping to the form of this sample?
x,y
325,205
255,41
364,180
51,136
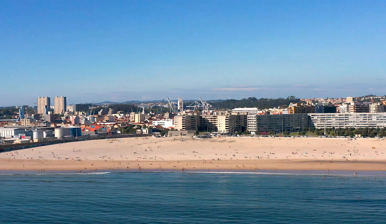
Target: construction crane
x,y
171,108
141,108
195,105
201,104
205,105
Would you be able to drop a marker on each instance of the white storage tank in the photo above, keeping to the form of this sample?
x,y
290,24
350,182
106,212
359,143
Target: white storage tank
x,y
37,135
59,133
48,134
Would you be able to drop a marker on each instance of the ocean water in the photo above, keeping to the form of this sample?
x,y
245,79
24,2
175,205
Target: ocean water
x,y
193,197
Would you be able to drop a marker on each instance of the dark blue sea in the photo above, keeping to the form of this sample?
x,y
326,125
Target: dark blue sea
x,y
193,197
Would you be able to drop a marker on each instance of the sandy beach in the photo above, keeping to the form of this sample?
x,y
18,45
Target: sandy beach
x,y
185,153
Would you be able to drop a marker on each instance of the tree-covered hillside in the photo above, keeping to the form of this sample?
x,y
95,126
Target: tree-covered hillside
x,y
261,103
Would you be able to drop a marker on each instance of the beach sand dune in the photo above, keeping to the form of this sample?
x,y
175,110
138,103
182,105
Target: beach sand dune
x,y
214,153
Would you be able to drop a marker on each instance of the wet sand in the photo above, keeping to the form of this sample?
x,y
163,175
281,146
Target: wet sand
x,y
89,165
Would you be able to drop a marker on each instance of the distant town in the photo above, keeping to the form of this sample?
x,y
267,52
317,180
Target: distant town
x,y
55,121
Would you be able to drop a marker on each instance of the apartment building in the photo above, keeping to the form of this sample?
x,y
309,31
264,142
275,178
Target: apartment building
x,y
44,104
132,117
223,124
376,108
60,104
299,108
247,110
348,120
358,108
208,122
187,122
219,122
278,123
237,122
325,108
343,108
139,118
180,105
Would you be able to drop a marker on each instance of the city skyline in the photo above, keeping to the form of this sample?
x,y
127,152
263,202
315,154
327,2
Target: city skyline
x,y
51,102
93,51
192,111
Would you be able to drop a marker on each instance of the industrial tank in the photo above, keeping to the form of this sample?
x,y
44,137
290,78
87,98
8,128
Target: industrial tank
x,y
59,133
48,134
37,135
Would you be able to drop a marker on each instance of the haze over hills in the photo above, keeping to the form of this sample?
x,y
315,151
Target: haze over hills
x,y
187,101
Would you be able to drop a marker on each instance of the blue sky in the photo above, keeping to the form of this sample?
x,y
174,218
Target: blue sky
x,y
91,51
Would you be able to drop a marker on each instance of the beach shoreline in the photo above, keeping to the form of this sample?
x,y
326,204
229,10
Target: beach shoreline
x,y
184,153
193,165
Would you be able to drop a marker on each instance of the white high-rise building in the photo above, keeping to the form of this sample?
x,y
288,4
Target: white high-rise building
x,y
139,118
348,120
60,104
376,108
44,103
180,105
